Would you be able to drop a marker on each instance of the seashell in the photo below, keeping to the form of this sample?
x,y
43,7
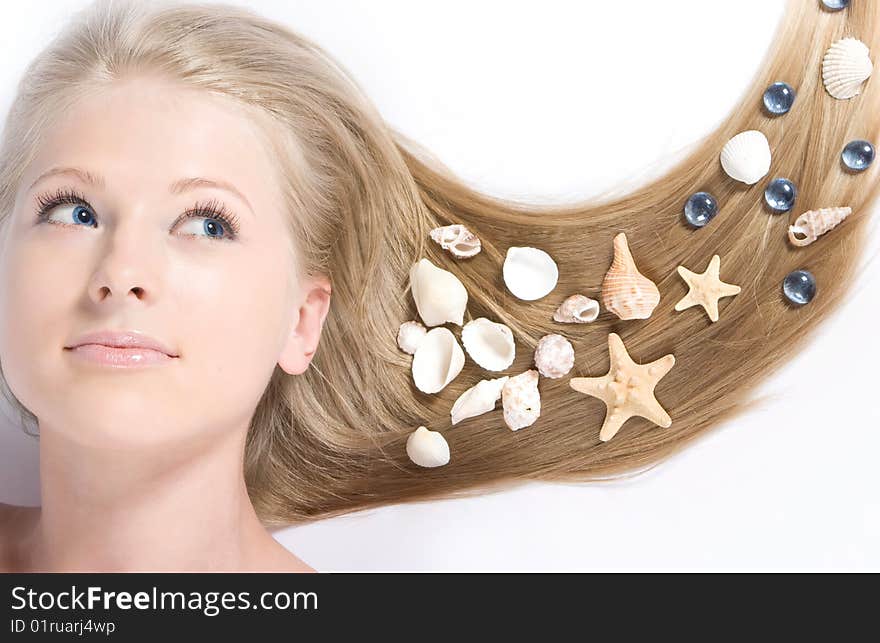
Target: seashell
x,y
427,448
554,355
478,399
577,309
521,400
746,157
625,291
457,239
437,361
845,66
410,335
812,224
529,273
489,343
439,295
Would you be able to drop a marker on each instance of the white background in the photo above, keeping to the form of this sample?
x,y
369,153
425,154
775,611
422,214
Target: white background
x,y
555,101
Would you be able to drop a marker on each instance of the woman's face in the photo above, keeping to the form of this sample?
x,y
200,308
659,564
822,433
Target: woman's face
x,y
129,259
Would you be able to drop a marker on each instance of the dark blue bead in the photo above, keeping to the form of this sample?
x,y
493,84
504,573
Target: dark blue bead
x,y
778,98
835,5
700,208
780,195
858,155
799,287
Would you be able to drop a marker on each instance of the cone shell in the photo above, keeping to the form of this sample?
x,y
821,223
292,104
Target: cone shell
x,y
625,291
478,399
554,355
457,239
521,400
410,335
814,223
845,66
746,157
439,295
427,448
437,361
577,309
489,343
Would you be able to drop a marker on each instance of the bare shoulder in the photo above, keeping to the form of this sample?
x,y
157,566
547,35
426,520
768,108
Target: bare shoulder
x,y
15,522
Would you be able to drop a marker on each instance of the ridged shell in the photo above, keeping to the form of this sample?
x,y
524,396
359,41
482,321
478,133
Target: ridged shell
x,y
410,335
746,156
577,309
554,355
427,448
625,291
529,273
490,344
478,399
437,361
457,239
521,400
845,66
439,295
812,224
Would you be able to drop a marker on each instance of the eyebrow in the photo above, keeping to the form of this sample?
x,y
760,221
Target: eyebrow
x,y
178,187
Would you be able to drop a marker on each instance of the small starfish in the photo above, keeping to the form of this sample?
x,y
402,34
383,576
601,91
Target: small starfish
x,y
627,389
706,288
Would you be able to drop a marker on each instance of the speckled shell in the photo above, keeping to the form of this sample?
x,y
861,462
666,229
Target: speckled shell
x,y
812,224
845,66
427,448
554,355
457,239
521,400
577,309
625,291
410,335
746,157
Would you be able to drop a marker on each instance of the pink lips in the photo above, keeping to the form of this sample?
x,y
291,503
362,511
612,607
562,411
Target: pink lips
x,y
121,349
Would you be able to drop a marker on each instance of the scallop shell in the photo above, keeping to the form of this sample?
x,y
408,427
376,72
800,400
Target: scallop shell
x,y
554,355
746,157
490,344
427,448
625,291
478,399
521,400
845,66
457,239
577,309
812,224
529,273
437,361
410,335
439,295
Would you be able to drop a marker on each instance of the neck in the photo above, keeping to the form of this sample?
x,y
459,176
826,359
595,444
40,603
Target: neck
x,y
174,509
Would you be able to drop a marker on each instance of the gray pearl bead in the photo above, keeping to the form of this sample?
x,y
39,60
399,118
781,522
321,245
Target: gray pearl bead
x,y
799,287
858,155
778,98
700,208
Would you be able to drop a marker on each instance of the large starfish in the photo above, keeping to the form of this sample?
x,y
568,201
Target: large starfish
x,y
706,288
627,389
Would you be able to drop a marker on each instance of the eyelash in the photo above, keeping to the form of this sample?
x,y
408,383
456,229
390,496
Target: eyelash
x,y
212,209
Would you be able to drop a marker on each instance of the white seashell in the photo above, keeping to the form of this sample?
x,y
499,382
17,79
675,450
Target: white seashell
x,y
812,224
410,335
577,309
478,399
521,400
746,157
439,295
489,343
427,448
456,238
530,273
554,355
437,361
845,66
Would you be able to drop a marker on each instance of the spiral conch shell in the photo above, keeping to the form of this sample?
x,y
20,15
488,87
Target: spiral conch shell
x,y
625,291
521,400
478,399
812,224
457,239
845,66
577,309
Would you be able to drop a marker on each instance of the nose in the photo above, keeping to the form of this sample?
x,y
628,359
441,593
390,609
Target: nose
x,y
127,264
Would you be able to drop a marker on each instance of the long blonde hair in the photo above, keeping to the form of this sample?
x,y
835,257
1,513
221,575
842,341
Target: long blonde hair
x,y
362,199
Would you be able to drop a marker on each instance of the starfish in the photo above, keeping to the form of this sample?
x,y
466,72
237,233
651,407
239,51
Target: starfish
x,y
706,288
627,389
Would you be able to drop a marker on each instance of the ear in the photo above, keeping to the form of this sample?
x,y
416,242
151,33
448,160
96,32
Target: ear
x,y
302,341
